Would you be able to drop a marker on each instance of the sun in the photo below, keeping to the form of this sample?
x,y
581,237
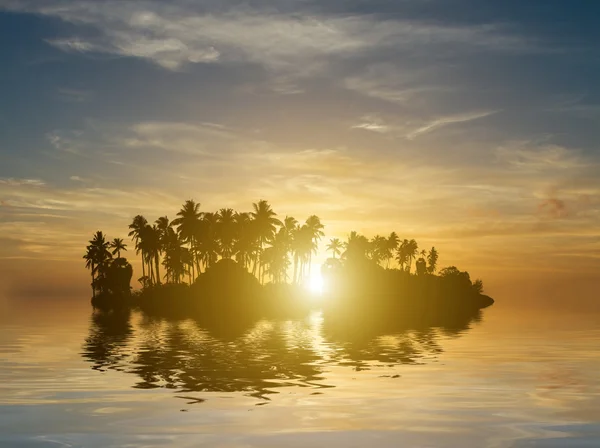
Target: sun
x,y
315,282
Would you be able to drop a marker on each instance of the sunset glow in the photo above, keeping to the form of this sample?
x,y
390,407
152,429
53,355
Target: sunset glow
x,y
316,283
338,117
300,223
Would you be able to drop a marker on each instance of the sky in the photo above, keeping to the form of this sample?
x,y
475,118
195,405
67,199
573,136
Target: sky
x,y
468,125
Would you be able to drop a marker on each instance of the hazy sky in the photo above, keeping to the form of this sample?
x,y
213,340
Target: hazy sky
x,y
466,124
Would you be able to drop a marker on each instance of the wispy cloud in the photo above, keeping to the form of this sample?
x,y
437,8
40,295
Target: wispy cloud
x,y
373,124
529,156
402,84
448,120
187,138
178,33
12,182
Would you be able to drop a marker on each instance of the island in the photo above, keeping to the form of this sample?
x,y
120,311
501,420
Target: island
x,y
237,265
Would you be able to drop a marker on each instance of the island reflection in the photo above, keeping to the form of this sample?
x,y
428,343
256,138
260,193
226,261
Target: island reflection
x,y
258,357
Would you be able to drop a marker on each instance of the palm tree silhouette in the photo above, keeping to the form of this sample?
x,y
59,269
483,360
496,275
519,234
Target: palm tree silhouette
x,y
379,249
407,251
392,245
177,257
90,264
313,222
302,246
432,260
257,240
98,259
154,248
187,223
266,225
150,245
226,231
163,227
335,246
245,244
117,245
357,247
207,245
412,251
275,257
137,226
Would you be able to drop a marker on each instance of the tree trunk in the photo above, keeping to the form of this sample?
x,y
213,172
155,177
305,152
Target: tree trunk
x,y
157,269
151,272
93,283
191,272
143,265
295,279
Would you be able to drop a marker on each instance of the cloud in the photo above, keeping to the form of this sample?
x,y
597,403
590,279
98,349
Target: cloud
x,y
79,179
448,120
553,207
185,138
74,44
528,155
372,124
402,84
179,33
12,182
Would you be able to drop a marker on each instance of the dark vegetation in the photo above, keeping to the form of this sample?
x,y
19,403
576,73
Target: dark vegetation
x,y
230,265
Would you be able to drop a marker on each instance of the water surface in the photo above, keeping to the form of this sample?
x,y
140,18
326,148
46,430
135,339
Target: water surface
x,y
501,378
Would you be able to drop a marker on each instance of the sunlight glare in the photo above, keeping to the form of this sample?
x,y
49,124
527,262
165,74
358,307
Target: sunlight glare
x,y
316,283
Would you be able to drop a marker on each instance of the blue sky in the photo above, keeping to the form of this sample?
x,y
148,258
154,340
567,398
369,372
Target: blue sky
x,y
448,121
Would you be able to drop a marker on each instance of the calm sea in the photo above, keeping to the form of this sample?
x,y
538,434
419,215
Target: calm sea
x,y
508,377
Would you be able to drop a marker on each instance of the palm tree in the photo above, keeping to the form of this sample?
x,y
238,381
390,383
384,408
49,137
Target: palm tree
x,y
313,222
176,256
266,225
98,259
412,250
432,260
402,257
154,248
90,264
137,226
226,231
406,253
302,246
290,225
379,249
335,246
163,226
245,240
392,245
357,247
150,244
117,245
187,226
275,257
207,245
